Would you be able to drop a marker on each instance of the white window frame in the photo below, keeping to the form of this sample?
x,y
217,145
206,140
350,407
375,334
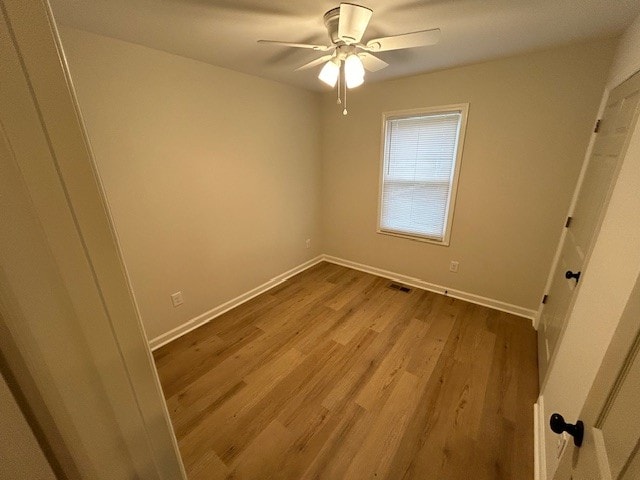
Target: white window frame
x,y
463,109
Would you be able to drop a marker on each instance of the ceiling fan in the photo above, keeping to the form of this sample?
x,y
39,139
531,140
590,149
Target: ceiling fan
x,y
348,57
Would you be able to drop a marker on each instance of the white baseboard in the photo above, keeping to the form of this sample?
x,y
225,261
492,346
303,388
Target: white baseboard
x,y
538,317
432,287
225,307
207,316
539,451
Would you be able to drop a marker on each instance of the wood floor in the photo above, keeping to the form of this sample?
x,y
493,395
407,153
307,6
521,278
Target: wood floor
x,y
334,375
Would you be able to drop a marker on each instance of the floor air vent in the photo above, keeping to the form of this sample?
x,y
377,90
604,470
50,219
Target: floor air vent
x,y
397,286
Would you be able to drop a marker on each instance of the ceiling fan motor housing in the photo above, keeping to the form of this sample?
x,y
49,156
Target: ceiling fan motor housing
x,y
331,19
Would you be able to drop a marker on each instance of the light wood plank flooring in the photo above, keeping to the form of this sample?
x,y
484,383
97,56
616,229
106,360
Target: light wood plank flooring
x,y
334,375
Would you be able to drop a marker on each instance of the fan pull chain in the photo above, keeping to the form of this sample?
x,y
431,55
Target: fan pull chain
x,y
338,89
344,112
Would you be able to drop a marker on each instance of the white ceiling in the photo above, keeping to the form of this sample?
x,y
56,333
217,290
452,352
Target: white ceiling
x,y
224,32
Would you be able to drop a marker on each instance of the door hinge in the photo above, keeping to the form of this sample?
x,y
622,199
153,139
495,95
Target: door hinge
x,y
544,299
568,222
597,128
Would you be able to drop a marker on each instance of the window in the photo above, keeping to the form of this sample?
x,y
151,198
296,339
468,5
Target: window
x,y
420,164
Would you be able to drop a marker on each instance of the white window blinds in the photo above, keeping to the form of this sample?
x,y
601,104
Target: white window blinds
x,y
418,173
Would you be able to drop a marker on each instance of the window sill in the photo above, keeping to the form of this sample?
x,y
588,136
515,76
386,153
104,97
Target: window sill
x,y
408,236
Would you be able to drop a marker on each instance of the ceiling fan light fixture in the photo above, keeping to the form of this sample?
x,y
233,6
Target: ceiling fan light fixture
x,y
348,55
353,71
354,82
329,73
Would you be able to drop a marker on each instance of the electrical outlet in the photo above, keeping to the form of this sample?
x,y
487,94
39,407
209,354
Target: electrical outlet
x,y
453,266
308,243
176,299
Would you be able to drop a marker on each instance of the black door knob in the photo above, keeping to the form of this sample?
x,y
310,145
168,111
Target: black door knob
x,y
558,425
569,274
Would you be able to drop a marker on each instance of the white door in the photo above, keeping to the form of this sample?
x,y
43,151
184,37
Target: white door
x,y
611,416
618,120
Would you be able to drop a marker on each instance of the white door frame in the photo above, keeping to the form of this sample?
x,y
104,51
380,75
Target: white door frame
x,y
68,217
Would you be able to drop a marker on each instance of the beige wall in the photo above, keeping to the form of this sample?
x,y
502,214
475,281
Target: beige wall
x,y
627,58
212,176
215,178
530,118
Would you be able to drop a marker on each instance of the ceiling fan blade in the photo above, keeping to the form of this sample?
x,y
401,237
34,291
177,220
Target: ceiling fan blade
x,y
372,63
320,48
407,40
353,22
317,61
